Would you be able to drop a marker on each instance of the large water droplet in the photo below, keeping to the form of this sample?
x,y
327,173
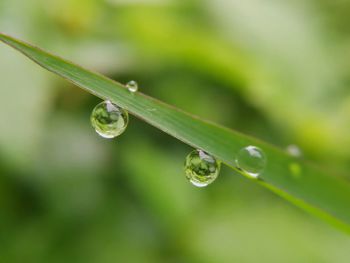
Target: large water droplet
x,y
109,120
132,86
251,160
201,168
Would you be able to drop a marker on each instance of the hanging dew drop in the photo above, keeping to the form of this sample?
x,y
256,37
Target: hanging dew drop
x,y
201,169
251,160
132,86
109,120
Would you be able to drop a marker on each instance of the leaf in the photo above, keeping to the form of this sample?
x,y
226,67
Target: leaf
x,y
310,188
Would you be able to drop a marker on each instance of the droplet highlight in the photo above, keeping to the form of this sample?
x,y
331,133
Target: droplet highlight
x,y
109,120
201,168
132,86
251,160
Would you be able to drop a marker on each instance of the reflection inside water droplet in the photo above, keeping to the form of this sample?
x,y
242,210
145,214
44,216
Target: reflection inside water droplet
x,y
295,169
201,168
251,160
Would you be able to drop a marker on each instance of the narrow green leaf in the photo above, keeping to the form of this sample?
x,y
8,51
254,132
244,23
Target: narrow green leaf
x,y
320,193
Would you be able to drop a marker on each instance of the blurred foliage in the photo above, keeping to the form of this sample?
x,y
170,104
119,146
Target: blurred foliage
x,y
278,70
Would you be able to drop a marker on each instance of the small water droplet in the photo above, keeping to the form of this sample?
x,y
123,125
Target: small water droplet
x,y
251,160
132,86
109,120
294,150
201,168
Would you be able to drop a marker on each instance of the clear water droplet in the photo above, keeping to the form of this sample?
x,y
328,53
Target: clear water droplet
x,y
294,150
109,120
201,168
251,160
132,86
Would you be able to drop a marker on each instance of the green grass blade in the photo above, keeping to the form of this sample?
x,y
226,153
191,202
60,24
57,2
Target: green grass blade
x,y
313,189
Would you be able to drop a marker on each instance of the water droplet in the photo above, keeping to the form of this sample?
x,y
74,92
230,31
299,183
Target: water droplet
x,y
294,150
109,120
132,86
251,160
201,168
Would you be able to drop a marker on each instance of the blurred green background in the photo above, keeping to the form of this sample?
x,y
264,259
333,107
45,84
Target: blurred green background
x,y
277,70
